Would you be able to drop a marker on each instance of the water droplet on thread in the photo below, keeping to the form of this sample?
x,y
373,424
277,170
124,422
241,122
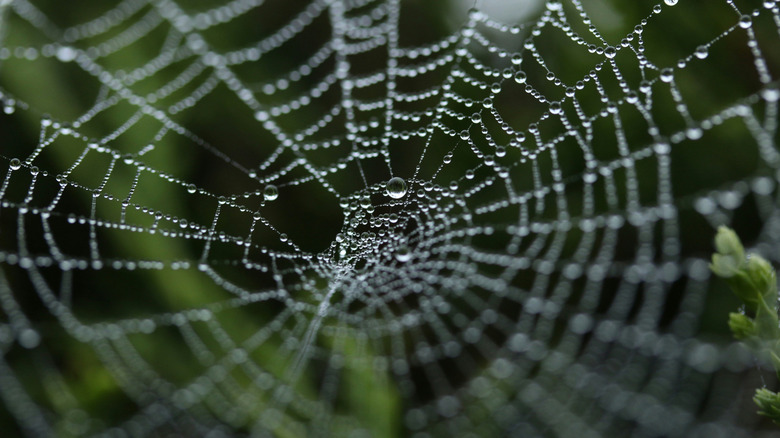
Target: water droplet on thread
x,y
270,192
667,74
701,52
403,254
16,164
66,54
365,201
771,94
396,188
670,2
29,338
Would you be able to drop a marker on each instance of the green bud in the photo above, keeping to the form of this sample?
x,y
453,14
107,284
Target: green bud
x,y
768,403
741,326
754,281
762,276
743,287
730,258
727,243
725,266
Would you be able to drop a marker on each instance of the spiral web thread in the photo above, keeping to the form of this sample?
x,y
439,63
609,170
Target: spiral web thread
x,y
536,271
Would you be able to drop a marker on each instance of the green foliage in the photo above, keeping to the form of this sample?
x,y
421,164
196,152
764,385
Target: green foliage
x,y
754,281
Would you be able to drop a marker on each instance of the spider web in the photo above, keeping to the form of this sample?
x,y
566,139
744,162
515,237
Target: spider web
x,y
380,218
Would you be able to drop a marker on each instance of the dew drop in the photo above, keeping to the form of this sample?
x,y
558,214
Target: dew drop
x,y
610,52
396,188
29,338
745,21
520,77
670,2
771,94
667,74
403,254
365,201
16,164
66,54
270,192
701,52
693,133
191,188
555,108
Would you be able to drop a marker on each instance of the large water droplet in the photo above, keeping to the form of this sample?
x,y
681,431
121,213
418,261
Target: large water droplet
x,y
365,201
16,164
701,52
29,338
66,54
396,188
667,74
670,2
270,192
403,254
771,94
